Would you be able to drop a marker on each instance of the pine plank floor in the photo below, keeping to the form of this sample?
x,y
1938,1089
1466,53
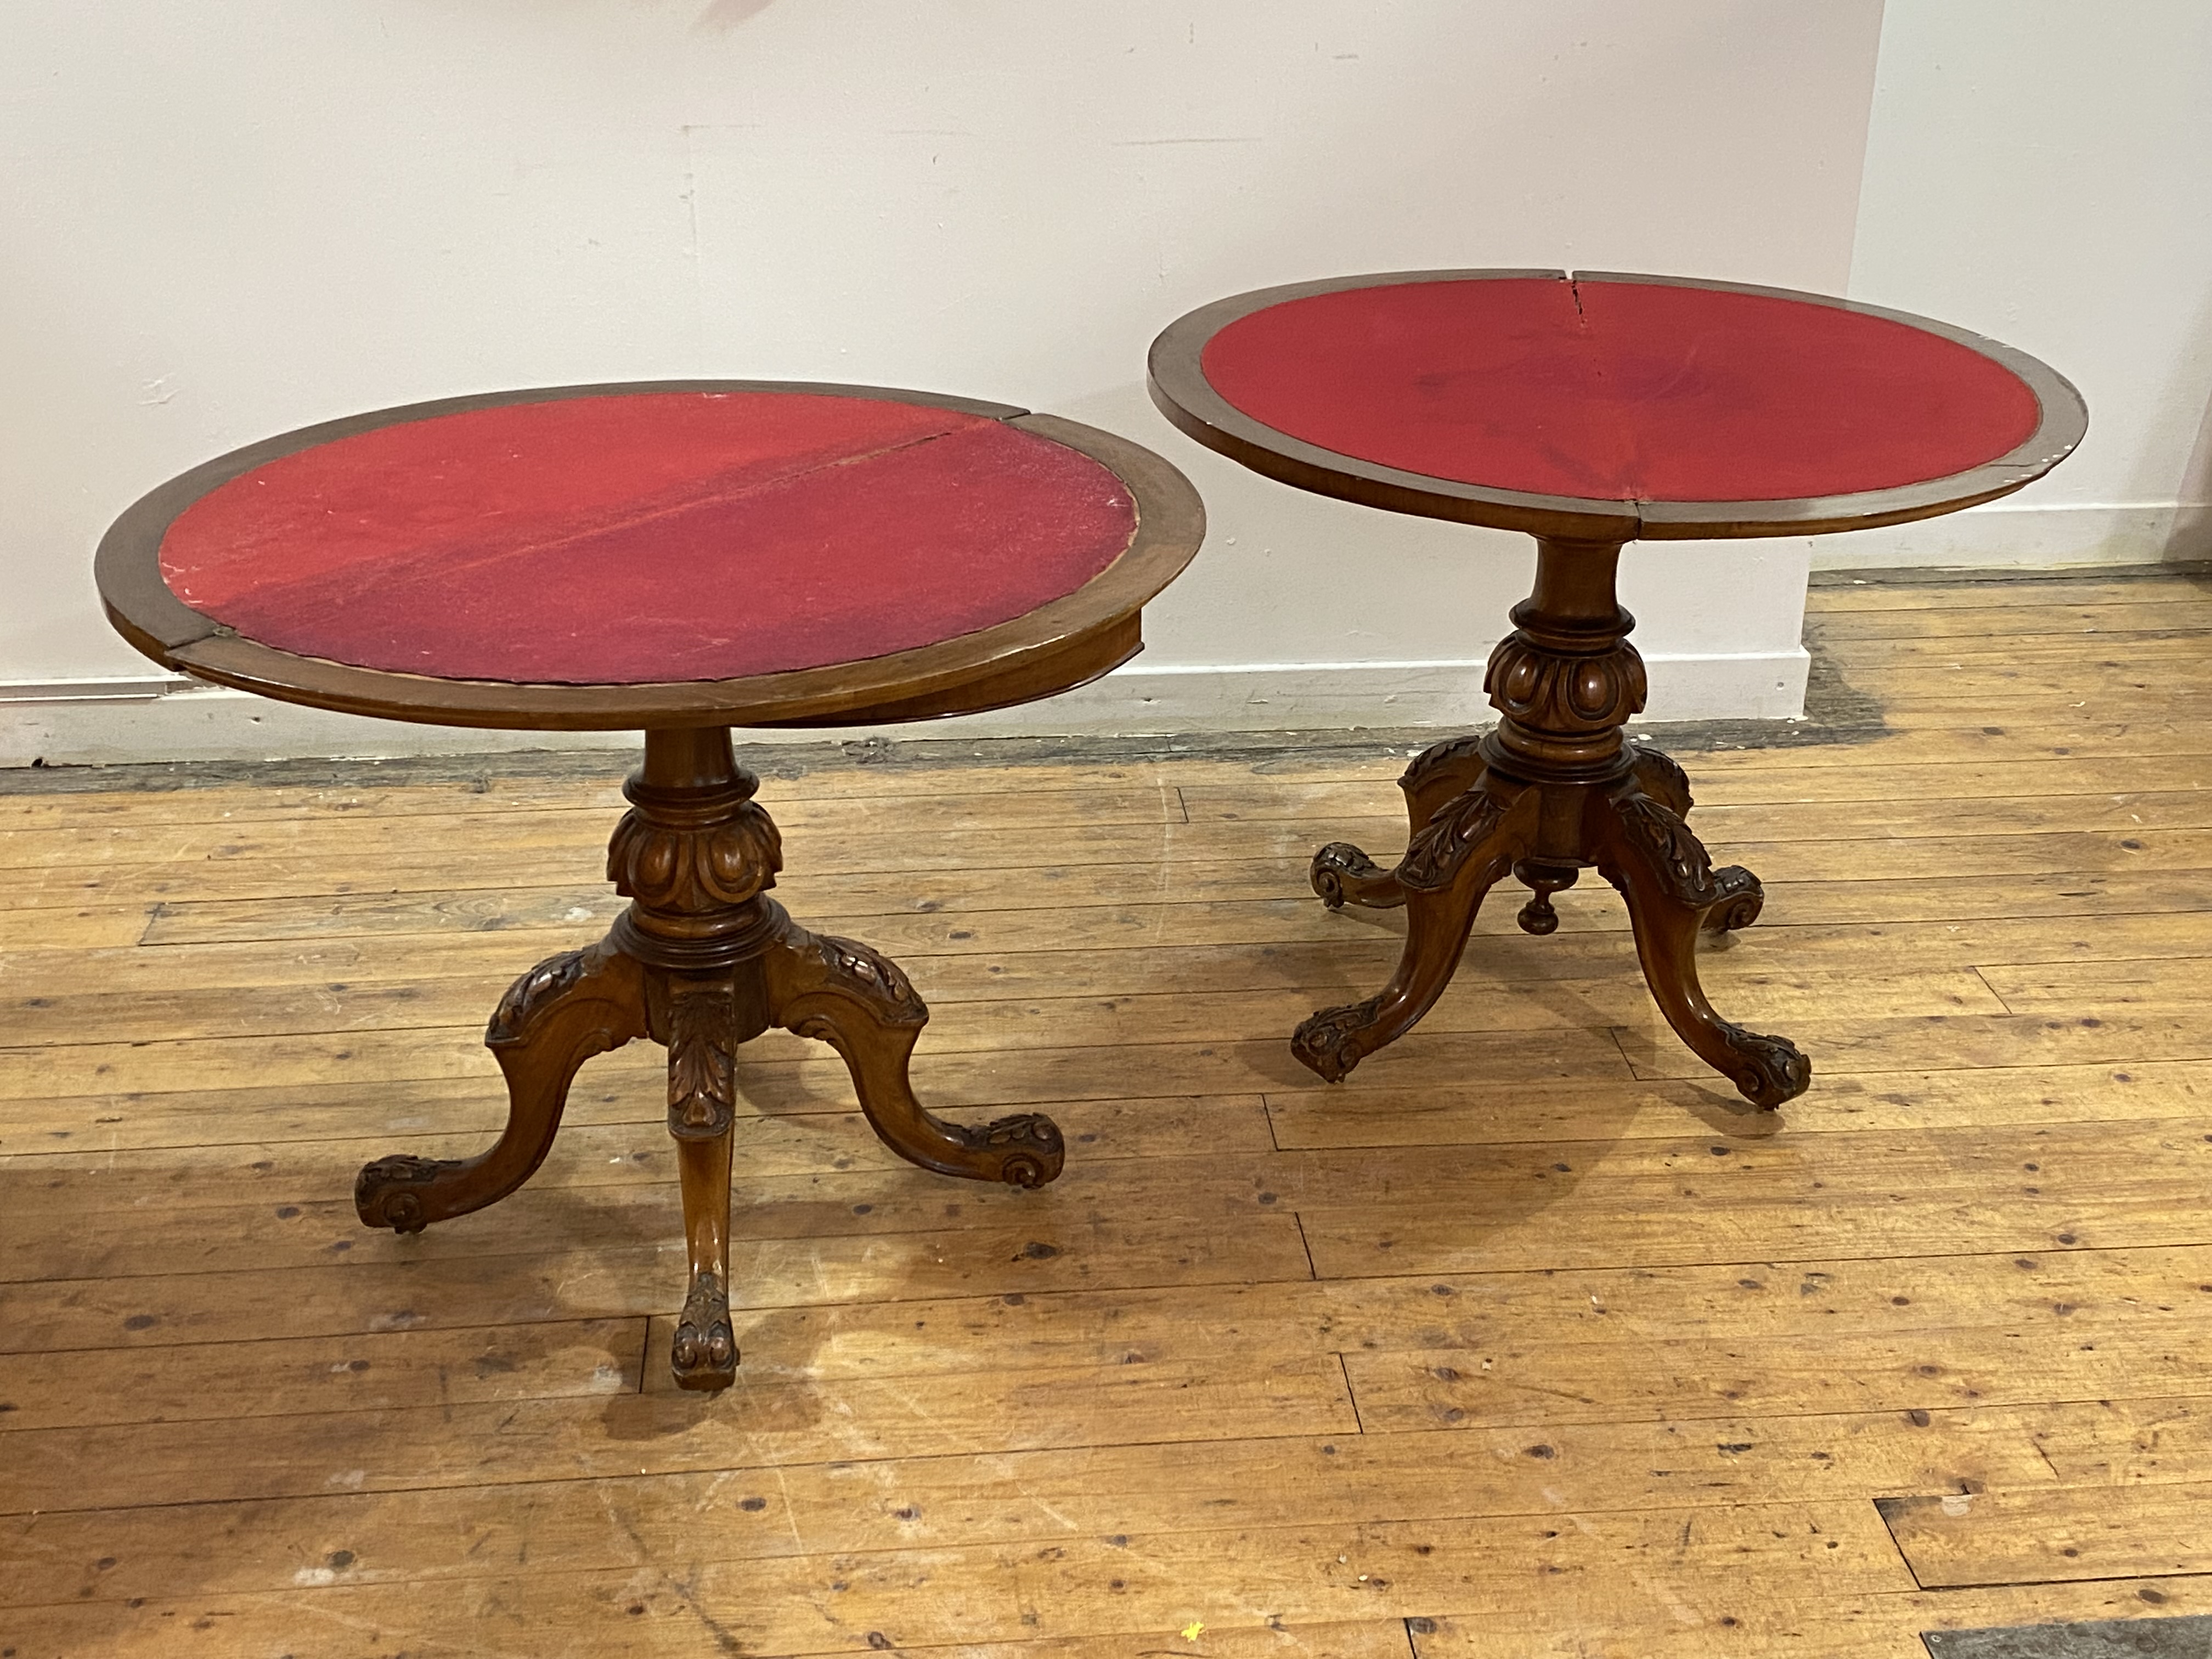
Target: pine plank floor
x,y
1530,1342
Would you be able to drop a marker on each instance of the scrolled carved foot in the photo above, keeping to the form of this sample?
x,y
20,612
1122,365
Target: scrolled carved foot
x,y
389,1192
704,1355
1331,1041
1673,891
858,1001
1741,900
1772,1069
1025,1150
1342,874
553,1019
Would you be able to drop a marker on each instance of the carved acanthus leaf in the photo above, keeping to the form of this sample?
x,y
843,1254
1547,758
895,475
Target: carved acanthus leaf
x,y
1442,845
531,994
861,971
702,1061
1658,775
1452,755
695,868
1678,855
1571,693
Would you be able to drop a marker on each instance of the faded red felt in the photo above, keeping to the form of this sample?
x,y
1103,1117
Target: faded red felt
x,y
1620,391
663,536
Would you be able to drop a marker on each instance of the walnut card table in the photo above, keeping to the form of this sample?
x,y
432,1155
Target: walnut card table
x,y
677,558
1590,411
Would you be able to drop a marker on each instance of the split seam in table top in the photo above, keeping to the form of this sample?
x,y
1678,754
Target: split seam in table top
x,y
1609,387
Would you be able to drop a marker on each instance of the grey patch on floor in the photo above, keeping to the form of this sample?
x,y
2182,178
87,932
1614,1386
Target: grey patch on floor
x,y
2189,1637
1833,704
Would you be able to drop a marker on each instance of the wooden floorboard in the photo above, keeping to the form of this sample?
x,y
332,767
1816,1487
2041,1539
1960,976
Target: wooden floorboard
x,y
1531,1340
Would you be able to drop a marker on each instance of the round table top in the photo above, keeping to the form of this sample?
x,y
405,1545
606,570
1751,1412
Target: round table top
x,y
665,554
1611,406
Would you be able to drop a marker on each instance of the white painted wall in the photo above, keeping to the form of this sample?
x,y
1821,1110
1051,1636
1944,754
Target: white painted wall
x,y
2041,170
232,218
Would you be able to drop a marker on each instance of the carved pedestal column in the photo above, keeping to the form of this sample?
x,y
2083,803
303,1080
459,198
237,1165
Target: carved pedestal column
x,y
1552,791
701,962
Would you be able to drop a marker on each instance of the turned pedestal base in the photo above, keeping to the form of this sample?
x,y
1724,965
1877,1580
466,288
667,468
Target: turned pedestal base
x,y
701,961
1553,791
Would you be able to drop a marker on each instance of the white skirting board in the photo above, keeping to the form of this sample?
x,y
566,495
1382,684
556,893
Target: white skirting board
x,y
126,722
2005,535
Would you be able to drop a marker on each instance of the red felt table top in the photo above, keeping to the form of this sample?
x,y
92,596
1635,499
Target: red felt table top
x,y
621,540
1620,391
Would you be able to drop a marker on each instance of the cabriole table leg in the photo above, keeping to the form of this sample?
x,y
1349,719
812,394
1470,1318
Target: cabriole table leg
x,y
1673,891
1458,856
856,1001
551,1020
